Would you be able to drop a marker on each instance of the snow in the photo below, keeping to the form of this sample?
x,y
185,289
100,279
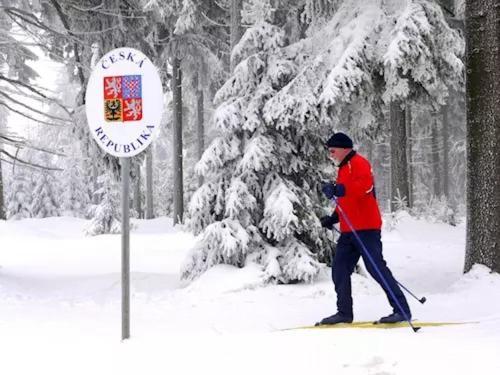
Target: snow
x,y
60,308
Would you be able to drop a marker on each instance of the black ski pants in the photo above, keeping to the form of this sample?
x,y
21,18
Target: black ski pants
x,y
344,261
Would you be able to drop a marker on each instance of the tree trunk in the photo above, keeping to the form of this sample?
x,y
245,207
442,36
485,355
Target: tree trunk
x,y
399,165
235,29
436,171
483,133
2,202
382,174
200,124
177,144
78,63
95,183
448,7
369,150
446,152
236,32
149,182
409,156
137,191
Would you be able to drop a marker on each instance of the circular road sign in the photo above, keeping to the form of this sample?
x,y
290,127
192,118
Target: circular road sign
x,y
124,102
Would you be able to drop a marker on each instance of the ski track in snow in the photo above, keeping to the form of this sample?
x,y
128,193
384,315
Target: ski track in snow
x,y
60,308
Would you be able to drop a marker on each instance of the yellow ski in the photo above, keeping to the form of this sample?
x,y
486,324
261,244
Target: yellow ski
x,y
370,324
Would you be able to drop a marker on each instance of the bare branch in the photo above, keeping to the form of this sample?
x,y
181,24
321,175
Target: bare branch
x,y
33,109
27,163
212,21
66,25
10,138
27,116
108,12
36,36
21,143
97,7
15,82
29,19
221,6
25,85
42,149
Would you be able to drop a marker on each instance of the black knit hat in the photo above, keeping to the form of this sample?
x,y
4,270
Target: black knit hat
x,y
339,140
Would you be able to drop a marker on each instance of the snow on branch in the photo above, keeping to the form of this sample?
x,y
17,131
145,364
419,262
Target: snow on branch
x,y
350,73
223,241
228,116
298,263
243,80
258,155
219,152
261,37
280,220
423,50
239,200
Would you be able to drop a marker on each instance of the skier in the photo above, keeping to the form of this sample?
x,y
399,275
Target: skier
x,y
355,192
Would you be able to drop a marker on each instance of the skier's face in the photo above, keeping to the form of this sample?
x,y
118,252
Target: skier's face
x,y
337,154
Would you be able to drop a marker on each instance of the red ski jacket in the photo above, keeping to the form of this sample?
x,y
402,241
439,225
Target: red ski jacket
x,y
359,203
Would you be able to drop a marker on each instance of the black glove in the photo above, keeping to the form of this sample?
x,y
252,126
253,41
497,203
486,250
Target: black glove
x,y
329,221
330,190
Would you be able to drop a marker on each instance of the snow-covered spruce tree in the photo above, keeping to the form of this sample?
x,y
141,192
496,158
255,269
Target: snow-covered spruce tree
x,y
421,64
75,196
106,216
345,73
259,201
20,195
423,54
371,54
44,203
73,185
373,49
196,38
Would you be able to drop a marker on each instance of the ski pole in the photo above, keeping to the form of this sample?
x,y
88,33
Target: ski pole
x,y
421,300
365,250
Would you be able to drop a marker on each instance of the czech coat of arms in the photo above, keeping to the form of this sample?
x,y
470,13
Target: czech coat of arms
x,y
122,98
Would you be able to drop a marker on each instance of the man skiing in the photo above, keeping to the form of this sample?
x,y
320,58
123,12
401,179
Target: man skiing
x,y
354,192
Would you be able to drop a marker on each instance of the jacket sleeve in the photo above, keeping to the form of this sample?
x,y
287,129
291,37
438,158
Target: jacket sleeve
x,y
361,181
329,221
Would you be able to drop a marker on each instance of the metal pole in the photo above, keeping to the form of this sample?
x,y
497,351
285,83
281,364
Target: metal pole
x,y
149,182
125,173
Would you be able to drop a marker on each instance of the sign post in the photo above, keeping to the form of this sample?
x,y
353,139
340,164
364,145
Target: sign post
x,y
124,105
125,172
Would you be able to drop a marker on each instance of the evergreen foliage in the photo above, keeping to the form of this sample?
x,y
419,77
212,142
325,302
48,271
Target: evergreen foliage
x,y
106,216
45,194
75,193
274,113
302,70
20,195
260,170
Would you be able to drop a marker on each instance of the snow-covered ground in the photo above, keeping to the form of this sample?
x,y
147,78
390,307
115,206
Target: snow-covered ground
x,y
60,308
